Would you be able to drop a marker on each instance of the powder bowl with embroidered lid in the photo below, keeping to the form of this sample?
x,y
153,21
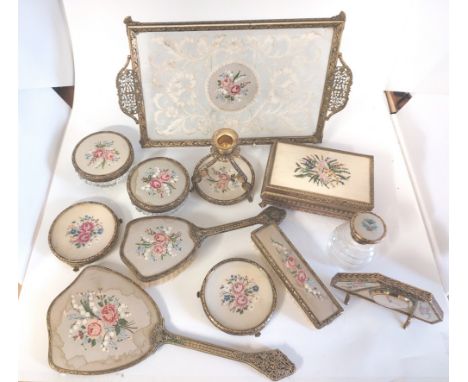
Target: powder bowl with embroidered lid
x,y
224,176
83,233
353,244
103,158
238,296
158,185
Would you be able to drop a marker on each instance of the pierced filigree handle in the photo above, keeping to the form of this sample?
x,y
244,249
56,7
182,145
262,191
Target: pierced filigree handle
x,y
342,81
272,363
126,83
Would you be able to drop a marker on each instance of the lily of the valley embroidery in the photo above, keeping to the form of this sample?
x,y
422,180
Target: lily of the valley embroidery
x,y
99,319
322,171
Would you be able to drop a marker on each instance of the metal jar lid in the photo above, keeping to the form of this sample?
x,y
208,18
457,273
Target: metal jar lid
x,y
367,228
158,184
103,156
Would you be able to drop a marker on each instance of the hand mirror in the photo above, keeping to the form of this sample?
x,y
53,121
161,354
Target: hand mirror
x,y
156,246
104,322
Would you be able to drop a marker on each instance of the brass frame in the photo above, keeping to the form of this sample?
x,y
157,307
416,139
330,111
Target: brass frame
x,y
76,264
302,303
309,201
167,207
198,234
254,330
394,287
106,177
335,92
272,363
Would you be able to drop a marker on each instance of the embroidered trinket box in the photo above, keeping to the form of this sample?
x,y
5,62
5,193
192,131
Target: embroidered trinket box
x,y
310,292
158,185
318,180
103,158
238,296
83,233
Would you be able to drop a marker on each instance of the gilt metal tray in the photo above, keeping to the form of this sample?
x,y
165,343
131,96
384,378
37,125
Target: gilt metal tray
x,y
266,79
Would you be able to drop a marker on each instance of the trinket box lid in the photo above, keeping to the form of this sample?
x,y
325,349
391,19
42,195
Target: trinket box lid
x,y
367,228
83,233
102,156
158,184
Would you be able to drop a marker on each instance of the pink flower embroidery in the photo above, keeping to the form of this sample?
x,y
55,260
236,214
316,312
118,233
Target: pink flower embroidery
x,y
161,237
87,226
238,288
109,314
235,89
94,329
301,277
155,183
98,153
242,301
165,176
103,154
83,237
159,249
291,262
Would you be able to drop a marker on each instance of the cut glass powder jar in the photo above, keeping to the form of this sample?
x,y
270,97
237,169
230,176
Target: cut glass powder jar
x,y
353,244
102,158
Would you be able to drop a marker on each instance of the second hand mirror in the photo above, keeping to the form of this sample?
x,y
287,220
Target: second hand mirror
x,y
154,247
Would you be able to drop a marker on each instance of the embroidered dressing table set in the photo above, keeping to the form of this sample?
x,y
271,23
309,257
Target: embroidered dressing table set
x,y
223,85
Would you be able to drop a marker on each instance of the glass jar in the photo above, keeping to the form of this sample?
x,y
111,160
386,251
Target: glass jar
x,y
353,244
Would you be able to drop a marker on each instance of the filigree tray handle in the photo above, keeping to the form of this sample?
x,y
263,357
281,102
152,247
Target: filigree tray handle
x,y
126,83
342,81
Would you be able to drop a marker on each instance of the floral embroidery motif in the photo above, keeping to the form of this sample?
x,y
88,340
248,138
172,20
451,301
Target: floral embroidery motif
x,y
221,179
83,232
369,224
239,293
99,319
159,182
323,171
102,154
159,243
296,269
232,86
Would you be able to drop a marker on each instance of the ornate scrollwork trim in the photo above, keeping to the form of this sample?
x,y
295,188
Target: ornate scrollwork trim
x,y
342,81
126,82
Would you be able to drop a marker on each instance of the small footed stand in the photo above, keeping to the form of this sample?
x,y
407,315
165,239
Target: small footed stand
x,y
224,176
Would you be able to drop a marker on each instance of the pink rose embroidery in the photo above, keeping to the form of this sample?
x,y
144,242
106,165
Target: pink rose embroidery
x,y
109,314
301,277
83,237
98,153
159,249
87,226
94,329
165,176
238,288
241,301
235,89
155,183
291,262
160,238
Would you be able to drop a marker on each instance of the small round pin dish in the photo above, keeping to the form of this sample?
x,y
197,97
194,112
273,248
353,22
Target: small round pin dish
x,y
158,185
103,158
238,296
83,233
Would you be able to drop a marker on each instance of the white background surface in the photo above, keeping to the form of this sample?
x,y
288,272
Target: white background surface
x,y
367,341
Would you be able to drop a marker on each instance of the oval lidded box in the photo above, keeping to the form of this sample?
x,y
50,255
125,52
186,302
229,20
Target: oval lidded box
x,y
158,185
102,158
